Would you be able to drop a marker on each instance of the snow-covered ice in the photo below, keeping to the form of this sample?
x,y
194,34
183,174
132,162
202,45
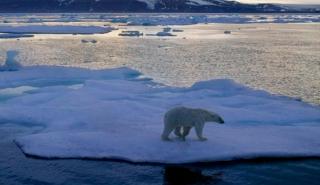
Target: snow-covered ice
x,y
150,3
225,143
199,3
117,114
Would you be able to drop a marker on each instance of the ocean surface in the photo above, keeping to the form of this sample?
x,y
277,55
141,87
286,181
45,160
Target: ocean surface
x,y
280,58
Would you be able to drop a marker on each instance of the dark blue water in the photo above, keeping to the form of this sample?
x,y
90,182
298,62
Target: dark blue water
x,y
17,169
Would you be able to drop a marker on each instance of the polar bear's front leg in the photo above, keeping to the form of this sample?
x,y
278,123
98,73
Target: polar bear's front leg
x,y
199,128
185,132
166,132
177,131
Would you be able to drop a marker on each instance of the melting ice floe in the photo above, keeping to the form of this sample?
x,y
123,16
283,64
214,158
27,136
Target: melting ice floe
x,y
115,114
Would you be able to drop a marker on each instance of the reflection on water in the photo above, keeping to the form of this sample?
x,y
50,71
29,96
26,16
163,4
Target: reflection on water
x,y
280,58
177,175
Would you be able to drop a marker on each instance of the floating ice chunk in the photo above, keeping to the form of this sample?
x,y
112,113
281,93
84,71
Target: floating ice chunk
x,y
150,3
41,76
11,64
16,91
93,41
115,114
200,3
8,93
177,30
166,29
131,33
165,34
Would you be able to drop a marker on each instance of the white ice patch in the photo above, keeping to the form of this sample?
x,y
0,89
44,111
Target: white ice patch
x,y
199,3
16,91
11,64
117,115
150,3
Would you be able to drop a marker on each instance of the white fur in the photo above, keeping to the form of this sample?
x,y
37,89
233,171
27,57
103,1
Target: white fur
x,y
182,119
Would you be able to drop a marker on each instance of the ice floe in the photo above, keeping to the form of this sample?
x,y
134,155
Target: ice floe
x,y
117,114
226,143
11,64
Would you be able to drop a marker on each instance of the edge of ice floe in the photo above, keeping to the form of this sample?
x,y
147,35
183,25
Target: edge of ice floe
x,y
227,160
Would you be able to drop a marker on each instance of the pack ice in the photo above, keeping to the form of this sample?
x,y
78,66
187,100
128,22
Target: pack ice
x,y
118,113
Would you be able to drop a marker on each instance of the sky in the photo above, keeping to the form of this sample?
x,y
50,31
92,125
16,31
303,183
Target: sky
x,y
282,1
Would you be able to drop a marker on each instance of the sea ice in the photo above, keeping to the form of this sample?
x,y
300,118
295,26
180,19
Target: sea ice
x,y
165,19
187,19
143,145
117,114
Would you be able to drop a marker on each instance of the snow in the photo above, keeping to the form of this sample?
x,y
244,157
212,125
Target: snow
x,y
226,143
57,29
150,3
117,114
199,3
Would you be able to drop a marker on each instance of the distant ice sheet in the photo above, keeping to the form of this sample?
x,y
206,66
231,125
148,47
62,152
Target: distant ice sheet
x,y
188,19
163,18
116,114
58,29
12,36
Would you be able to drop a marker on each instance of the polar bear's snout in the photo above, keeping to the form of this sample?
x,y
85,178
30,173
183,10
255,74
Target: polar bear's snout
x,y
221,121
215,118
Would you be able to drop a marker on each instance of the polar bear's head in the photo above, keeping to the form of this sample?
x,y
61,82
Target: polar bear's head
x,y
214,117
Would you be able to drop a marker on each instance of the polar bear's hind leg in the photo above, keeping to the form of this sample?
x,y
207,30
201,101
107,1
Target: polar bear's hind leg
x,y
166,132
185,132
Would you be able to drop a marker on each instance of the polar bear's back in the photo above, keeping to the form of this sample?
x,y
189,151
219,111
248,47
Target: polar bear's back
x,y
181,116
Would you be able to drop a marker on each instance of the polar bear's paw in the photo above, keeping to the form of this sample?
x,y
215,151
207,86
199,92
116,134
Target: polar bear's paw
x,y
166,139
203,139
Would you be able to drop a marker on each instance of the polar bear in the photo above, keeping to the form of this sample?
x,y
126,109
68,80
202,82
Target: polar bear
x,y
182,119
